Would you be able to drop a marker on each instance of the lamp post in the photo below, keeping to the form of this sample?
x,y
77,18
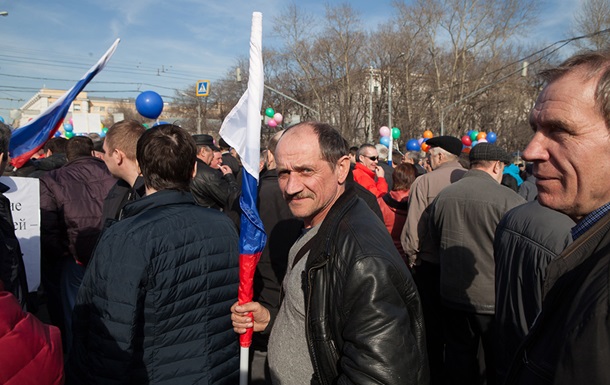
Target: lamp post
x,y
391,147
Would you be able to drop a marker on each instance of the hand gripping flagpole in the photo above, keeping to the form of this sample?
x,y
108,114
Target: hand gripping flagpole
x,y
241,130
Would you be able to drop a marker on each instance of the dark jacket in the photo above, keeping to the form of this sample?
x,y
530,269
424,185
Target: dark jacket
x,y
71,200
12,269
213,189
363,313
44,165
282,229
568,343
119,195
154,305
232,162
527,239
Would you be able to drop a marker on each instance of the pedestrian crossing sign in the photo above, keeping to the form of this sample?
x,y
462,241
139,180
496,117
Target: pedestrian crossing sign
x,y
203,88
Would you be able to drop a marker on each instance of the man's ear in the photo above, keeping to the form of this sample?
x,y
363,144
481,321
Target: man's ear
x,y
342,169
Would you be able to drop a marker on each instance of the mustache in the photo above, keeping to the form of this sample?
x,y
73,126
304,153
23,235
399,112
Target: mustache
x,y
298,196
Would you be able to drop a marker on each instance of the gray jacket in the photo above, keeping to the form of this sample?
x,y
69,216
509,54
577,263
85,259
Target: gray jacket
x,y
463,220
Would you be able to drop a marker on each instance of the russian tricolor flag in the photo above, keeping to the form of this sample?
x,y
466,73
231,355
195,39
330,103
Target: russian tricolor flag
x,y
28,139
241,130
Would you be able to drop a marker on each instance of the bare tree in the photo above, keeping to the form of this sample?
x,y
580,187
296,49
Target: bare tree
x,y
592,16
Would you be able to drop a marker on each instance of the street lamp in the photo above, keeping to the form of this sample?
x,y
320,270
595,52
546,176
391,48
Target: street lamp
x,y
390,105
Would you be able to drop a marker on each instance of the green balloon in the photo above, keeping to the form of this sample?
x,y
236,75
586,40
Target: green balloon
x,y
69,134
105,130
395,133
145,125
473,135
269,112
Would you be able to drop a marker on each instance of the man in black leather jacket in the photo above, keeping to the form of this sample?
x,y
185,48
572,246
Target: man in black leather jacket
x,y
217,189
350,311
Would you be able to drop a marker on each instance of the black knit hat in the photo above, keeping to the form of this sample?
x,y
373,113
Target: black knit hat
x,y
488,151
448,143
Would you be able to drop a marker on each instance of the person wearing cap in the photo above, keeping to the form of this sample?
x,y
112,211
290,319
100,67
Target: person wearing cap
x,y
443,160
213,188
463,220
367,171
227,158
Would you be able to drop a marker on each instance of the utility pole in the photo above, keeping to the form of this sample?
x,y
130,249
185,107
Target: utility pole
x,y
391,147
370,133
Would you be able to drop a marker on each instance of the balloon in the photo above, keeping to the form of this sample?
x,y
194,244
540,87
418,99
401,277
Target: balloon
x,y
159,123
474,143
269,112
425,147
491,137
421,140
105,130
102,134
466,141
69,134
71,121
482,140
481,135
384,131
149,104
272,123
145,125
68,127
395,133
278,117
385,140
57,134
1,119
413,145
466,150
473,135
428,134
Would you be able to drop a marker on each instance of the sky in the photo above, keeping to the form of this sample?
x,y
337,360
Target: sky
x,y
165,45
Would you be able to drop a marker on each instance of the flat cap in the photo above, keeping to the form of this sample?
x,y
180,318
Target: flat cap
x,y
448,143
488,151
205,140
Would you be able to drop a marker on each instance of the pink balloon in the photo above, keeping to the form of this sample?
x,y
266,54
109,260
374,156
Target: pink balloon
x,y
420,141
384,131
272,123
278,118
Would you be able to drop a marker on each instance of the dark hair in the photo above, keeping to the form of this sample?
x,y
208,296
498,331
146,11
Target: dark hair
x,y
592,64
166,155
397,157
353,151
403,176
79,146
272,143
332,145
56,145
124,136
363,147
5,138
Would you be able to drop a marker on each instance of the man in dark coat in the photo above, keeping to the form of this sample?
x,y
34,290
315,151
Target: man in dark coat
x,y
12,269
570,150
71,200
154,304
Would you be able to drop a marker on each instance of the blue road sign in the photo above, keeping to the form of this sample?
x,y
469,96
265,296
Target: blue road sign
x,y
203,88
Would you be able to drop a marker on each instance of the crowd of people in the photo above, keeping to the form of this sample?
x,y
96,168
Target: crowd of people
x,y
444,267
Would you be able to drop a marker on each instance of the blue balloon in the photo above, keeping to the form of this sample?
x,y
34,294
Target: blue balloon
x,y
1,119
413,145
491,137
385,140
57,134
68,127
149,104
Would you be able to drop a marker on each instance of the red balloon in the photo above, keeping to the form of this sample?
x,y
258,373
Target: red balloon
x,y
466,141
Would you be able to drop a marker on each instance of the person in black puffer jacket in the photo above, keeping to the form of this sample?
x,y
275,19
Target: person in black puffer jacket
x,y
154,304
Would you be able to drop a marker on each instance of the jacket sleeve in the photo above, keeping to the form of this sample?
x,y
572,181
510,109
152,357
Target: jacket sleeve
x,y
380,345
52,246
379,188
418,202
108,305
211,187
